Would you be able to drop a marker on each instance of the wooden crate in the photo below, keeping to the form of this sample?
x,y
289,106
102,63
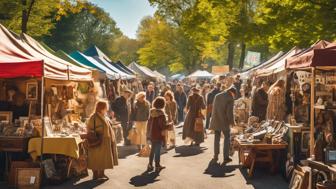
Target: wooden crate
x,y
28,178
19,164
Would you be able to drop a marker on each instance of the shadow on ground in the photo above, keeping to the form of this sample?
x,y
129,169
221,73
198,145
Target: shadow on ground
x,y
217,170
144,179
185,151
125,151
89,184
263,179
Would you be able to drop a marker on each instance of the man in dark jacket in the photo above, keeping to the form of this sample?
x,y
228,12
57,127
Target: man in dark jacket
x,y
181,101
260,102
150,93
209,101
221,121
121,109
237,84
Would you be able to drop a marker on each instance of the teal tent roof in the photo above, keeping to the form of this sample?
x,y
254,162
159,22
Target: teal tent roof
x,y
91,62
68,58
95,51
63,55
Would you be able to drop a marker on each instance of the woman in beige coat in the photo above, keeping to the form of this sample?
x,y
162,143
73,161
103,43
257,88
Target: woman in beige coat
x,y
171,112
105,155
140,116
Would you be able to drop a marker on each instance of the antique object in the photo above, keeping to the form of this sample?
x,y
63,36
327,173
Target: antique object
x,y
6,116
31,91
28,178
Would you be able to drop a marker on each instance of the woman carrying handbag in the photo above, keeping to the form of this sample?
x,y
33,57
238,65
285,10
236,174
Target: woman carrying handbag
x,y
102,149
193,125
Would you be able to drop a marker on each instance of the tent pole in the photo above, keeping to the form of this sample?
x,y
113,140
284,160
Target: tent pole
x,y
42,111
312,112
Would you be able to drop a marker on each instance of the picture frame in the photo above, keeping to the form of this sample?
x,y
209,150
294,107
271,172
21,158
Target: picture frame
x,y
31,91
299,179
305,139
6,116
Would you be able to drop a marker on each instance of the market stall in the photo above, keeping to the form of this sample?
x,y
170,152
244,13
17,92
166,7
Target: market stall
x,y
30,102
142,72
315,68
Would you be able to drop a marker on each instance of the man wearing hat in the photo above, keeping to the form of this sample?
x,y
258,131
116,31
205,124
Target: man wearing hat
x,y
221,120
121,109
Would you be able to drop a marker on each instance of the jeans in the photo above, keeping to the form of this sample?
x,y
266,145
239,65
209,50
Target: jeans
x,y
155,153
207,121
226,149
125,128
180,115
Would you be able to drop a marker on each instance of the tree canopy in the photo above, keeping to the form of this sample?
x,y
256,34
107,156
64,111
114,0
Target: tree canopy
x,y
183,35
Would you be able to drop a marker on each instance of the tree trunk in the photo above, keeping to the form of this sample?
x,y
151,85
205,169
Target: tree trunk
x,y
25,14
231,51
242,55
24,18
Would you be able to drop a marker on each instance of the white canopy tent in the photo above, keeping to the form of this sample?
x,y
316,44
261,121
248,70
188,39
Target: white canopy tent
x,y
142,71
200,74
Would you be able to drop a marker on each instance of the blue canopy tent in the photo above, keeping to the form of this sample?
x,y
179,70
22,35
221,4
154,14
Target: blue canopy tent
x,y
122,74
91,62
121,65
102,58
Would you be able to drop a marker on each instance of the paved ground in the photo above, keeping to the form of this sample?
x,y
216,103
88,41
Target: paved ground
x,y
187,168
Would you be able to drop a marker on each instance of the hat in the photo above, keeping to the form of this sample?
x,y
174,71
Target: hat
x,y
196,89
128,91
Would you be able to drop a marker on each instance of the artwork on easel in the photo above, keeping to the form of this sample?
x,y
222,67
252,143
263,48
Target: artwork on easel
x,y
31,91
32,108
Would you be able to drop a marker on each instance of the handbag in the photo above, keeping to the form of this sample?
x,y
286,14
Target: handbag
x,y
199,125
93,138
132,136
145,152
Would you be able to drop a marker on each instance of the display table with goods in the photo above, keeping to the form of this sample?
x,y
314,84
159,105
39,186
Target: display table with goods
x,y
261,143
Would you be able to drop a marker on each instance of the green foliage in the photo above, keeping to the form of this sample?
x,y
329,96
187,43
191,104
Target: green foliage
x,y
158,42
40,16
289,23
81,29
124,49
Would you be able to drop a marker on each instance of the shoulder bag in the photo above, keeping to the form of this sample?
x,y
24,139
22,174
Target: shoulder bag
x,y
93,138
199,125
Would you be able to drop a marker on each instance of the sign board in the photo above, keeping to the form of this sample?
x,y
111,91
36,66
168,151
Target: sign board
x,y
252,59
217,70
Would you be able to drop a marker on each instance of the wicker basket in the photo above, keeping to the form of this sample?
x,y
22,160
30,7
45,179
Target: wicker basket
x,y
28,178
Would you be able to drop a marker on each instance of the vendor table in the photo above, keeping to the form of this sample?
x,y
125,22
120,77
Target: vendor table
x,y
261,152
67,146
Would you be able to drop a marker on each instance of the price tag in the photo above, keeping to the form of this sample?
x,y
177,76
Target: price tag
x,y
32,180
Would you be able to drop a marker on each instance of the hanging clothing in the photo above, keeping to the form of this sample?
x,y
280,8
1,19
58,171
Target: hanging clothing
x,y
276,104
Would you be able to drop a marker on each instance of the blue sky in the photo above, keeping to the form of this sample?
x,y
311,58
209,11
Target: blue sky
x,y
127,13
